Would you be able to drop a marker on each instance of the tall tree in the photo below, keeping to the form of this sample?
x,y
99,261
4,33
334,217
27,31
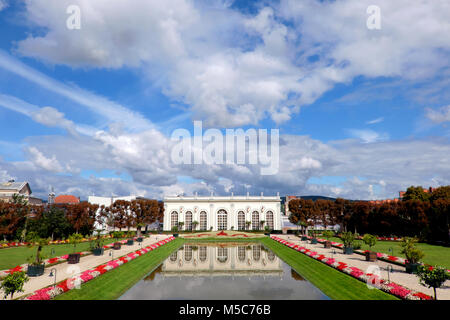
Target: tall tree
x,y
416,193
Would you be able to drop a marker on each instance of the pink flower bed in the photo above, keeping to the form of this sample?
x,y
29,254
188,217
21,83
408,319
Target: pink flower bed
x,y
68,284
389,287
51,261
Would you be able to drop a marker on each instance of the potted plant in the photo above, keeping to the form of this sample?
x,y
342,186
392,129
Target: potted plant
x,y
174,230
97,245
117,245
328,234
180,225
348,238
314,239
247,224
13,283
130,240
74,257
432,277
267,231
35,264
194,225
304,225
139,234
370,240
412,254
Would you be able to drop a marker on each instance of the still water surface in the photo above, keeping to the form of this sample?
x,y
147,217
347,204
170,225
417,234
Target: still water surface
x,y
223,271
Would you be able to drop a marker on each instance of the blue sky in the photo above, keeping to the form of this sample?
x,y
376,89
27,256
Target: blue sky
x,y
363,113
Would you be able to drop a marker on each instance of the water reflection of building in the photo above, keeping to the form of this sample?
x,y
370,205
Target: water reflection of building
x,y
204,260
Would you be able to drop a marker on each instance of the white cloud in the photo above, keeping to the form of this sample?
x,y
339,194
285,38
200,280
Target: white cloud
x,y
440,115
234,69
3,4
368,136
48,164
374,121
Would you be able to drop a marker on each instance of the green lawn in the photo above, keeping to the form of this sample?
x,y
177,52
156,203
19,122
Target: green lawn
x,y
434,255
12,257
114,283
333,283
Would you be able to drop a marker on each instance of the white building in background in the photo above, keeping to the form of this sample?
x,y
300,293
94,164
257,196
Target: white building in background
x,y
223,213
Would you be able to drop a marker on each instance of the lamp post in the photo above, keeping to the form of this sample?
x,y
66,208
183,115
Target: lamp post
x,y
111,254
51,275
389,270
391,250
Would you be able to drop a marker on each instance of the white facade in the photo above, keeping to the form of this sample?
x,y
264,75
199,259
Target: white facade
x,y
222,213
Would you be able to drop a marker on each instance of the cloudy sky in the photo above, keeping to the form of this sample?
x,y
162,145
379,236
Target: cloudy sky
x,y
362,113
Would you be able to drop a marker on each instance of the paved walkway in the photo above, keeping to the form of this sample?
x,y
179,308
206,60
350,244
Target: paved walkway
x,y
65,270
398,274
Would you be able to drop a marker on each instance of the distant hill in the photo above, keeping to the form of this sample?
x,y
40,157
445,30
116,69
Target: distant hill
x,y
314,198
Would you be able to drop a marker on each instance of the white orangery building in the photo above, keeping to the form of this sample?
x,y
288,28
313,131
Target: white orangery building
x,y
222,213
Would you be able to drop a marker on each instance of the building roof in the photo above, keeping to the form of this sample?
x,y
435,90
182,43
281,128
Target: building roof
x,y
13,185
66,199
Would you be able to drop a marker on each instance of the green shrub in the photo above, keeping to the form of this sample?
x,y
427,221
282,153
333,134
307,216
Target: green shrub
x,y
411,252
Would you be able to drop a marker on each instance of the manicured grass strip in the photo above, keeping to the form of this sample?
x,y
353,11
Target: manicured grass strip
x,y
12,257
331,282
114,283
434,255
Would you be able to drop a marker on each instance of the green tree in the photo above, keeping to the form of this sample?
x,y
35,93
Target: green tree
x,y
370,240
13,283
409,249
33,239
54,224
416,193
432,277
441,193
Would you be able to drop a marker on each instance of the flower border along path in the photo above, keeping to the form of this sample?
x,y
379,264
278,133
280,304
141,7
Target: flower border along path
x,y
381,256
388,287
52,261
69,284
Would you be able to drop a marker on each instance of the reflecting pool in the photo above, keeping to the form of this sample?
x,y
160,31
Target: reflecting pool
x,y
235,271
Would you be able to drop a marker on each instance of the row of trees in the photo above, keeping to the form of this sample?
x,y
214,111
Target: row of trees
x,y
18,218
426,217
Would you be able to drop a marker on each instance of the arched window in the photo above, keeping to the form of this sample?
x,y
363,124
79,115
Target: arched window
x,y
174,256
271,255
222,220
255,220
203,221
203,253
269,219
188,222
174,219
256,252
222,254
241,220
187,253
241,253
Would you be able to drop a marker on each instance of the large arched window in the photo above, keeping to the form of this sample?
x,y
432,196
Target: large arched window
x,y
187,253
241,253
188,221
269,219
241,220
203,253
271,255
256,252
222,220
255,220
174,219
222,254
203,221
